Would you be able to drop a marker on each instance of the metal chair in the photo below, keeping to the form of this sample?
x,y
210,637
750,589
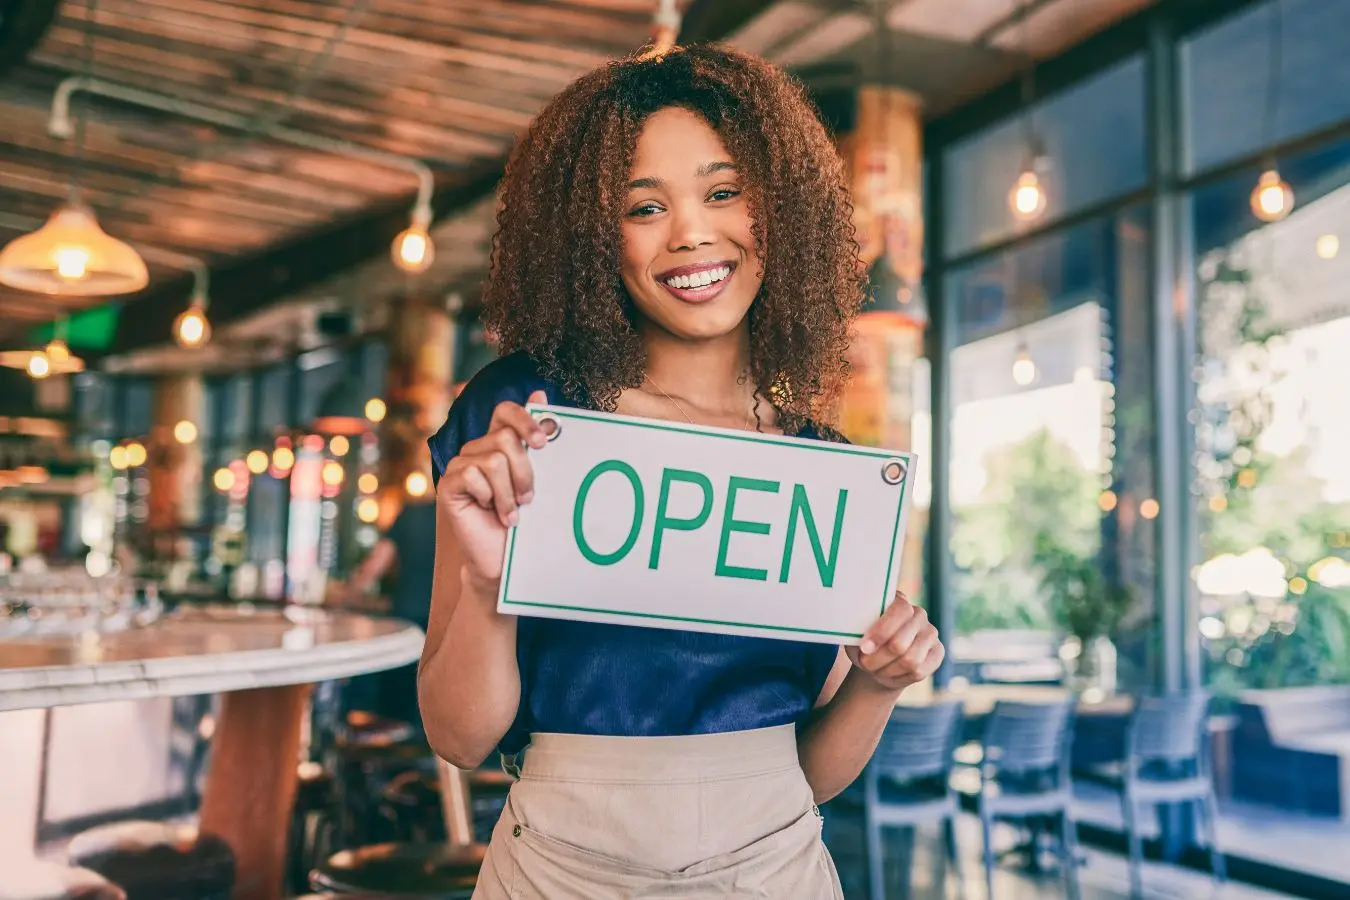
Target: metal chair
x,y
1025,776
1167,762
908,781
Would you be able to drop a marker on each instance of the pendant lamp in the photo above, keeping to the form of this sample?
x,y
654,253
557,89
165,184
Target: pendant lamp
x,y
71,256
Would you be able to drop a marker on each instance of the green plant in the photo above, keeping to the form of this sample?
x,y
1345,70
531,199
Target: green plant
x,y
1083,601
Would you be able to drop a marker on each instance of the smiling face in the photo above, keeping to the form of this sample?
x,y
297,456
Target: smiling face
x,y
689,259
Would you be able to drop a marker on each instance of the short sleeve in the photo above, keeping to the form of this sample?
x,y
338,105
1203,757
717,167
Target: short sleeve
x,y
511,378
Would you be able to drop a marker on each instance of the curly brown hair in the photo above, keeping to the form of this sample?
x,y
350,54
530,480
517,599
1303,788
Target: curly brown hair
x,y
555,290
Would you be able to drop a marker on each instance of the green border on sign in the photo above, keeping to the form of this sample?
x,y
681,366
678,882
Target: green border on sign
x,y
821,446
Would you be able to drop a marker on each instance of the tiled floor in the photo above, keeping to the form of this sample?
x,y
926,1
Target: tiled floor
x,y
1317,846
1104,877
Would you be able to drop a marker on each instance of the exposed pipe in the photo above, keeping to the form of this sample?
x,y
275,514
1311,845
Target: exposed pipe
x,y
60,126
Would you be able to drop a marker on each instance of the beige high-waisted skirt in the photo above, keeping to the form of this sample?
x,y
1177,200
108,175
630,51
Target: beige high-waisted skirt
x,y
604,818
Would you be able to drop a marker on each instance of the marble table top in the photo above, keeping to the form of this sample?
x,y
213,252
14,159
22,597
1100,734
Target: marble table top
x,y
202,650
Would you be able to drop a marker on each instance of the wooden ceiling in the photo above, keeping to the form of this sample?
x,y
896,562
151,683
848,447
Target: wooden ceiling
x,y
944,51
449,82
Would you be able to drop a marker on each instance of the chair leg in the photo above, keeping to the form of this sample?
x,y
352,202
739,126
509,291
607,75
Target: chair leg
x,y
1136,846
953,849
1210,806
987,824
876,860
1068,852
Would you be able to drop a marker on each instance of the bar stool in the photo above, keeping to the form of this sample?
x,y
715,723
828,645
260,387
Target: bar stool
x,y
428,871
150,860
42,880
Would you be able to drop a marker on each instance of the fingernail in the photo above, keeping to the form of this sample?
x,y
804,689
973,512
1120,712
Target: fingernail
x,y
867,646
527,497
514,518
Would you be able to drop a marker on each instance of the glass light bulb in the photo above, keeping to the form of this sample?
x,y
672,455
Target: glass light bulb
x,y
39,366
1272,199
375,409
1328,245
413,250
416,484
256,461
136,454
1027,198
185,432
191,328
72,263
368,510
1024,369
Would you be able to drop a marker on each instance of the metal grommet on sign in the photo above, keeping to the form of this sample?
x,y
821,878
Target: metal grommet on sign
x,y
893,471
546,420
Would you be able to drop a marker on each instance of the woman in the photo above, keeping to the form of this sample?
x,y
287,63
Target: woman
x,y
674,242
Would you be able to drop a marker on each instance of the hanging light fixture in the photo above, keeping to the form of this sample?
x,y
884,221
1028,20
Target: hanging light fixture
x,y
192,329
413,249
1272,199
1024,367
1027,198
53,359
71,255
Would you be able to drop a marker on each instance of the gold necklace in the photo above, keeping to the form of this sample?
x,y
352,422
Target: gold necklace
x,y
749,417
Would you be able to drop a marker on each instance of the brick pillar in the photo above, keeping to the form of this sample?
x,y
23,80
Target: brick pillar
x,y
884,155
175,468
421,364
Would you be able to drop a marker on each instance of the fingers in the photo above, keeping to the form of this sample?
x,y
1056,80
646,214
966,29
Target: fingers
x,y
919,662
514,418
495,469
899,644
891,621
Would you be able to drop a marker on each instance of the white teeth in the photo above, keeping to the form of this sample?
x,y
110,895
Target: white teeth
x,y
699,279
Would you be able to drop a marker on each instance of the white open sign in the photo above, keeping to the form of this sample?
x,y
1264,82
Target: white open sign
x,y
654,523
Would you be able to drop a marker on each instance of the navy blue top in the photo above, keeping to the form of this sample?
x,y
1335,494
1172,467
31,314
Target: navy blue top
x,y
624,680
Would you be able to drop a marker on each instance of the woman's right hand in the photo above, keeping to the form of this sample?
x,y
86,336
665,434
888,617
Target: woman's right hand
x,y
483,487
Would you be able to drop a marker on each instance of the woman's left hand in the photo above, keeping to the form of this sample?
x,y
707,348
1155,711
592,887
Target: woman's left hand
x,y
901,648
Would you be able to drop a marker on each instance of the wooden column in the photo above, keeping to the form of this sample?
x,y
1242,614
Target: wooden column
x,y
421,363
250,787
884,154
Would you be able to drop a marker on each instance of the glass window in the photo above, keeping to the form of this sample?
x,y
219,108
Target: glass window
x,y
1094,137
1227,69
1272,435
1041,403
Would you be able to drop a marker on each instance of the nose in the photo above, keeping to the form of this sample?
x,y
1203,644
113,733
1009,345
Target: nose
x,y
690,227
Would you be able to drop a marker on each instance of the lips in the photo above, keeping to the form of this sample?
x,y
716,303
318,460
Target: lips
x,y
696,268
687,287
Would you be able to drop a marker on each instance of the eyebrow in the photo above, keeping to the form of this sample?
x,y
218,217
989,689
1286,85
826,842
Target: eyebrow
x,y
703,172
